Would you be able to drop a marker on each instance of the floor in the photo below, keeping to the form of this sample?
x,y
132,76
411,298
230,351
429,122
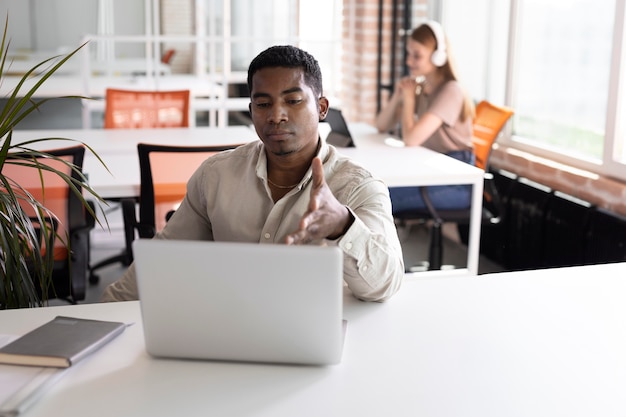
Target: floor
x,y
414,239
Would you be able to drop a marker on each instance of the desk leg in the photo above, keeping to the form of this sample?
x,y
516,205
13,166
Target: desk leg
x,y
473,247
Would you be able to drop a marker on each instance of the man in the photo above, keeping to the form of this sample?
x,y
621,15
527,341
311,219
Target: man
x,y
290,187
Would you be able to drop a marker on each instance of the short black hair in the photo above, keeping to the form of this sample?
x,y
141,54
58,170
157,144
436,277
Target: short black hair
x,y
288,56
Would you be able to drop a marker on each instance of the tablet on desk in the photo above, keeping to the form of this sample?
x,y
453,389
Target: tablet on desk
x,y
339,133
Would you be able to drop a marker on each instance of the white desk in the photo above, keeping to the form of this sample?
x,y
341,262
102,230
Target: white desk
x,y
21,64
408,166
534,343
207,94
411,166
118,149
71,85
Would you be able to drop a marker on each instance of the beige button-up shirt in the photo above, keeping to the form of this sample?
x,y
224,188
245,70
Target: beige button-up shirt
x,y
228,199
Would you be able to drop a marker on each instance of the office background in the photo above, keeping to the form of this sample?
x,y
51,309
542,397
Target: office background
x,y
562,76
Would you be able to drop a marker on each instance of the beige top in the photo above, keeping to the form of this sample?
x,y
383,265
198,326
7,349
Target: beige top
x,y
447,103
228,199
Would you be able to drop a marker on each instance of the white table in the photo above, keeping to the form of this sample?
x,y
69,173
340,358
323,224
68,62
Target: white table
x,y
396,166
207,94
21,64
118,149
533,343
410,166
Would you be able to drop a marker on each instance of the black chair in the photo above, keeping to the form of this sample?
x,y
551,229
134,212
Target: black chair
x,y
73,221
164,172
130,109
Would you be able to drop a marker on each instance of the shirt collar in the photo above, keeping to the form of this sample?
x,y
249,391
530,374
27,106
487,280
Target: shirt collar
x,y
261,166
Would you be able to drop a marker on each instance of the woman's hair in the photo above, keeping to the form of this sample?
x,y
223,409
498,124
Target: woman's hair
x,y
424,35
289,57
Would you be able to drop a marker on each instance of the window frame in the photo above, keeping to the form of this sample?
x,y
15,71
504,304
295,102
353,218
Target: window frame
x,y
615,128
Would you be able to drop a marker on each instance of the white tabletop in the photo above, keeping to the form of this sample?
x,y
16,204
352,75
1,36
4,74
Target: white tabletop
x,y
118,150
122,66
532,343
61,85
398,166
408,166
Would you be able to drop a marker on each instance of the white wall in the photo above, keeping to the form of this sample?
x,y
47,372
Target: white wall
x,y
19,30
46,25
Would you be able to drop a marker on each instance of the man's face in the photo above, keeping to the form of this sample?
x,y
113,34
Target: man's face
x,y
285,110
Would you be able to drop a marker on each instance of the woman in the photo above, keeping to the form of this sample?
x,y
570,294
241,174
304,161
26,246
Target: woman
x,y
432,111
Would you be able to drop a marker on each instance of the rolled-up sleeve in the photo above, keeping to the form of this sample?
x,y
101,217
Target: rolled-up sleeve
x,y
373,261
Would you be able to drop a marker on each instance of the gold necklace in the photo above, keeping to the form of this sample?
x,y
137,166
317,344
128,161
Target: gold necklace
x,y
284,187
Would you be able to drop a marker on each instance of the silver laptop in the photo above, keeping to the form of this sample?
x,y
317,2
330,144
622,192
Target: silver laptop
x,y
241,301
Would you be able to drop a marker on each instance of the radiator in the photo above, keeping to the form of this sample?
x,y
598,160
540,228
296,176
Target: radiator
x,y
525,226
565,225
493,237
605,237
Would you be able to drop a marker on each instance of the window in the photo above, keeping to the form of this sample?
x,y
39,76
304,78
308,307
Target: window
x,y
556,63
258,24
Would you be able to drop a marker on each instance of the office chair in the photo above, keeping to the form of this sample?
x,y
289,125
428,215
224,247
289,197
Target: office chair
x,y
141,109
146,109
167,56
487,125
72,224
164,172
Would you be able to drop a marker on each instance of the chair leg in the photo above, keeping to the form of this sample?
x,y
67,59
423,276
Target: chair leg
x,y
126,256
121,258
435,253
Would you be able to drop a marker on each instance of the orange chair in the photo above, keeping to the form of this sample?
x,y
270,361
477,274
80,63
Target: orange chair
x,y
164,172
72,221
167,56
489,121
487,125
146,109
141,109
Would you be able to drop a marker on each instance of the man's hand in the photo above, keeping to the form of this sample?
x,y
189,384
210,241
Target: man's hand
x,y
326,218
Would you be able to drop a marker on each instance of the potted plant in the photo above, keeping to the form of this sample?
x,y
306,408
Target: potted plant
x,y
26,253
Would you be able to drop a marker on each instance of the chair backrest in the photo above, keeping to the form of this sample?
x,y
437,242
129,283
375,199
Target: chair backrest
x,y
54,193
146,109
164,172
489,121
167,56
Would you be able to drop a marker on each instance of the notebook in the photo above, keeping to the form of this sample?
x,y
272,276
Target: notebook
x,y
61,342
246,302
339,134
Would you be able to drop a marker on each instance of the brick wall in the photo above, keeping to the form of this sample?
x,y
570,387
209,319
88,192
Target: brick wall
x,y
360,49
359,61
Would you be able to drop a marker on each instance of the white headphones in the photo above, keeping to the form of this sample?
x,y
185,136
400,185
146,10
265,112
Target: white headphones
x,y
439,56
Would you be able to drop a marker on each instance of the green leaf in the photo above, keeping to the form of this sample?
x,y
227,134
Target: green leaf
x,y
27,243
